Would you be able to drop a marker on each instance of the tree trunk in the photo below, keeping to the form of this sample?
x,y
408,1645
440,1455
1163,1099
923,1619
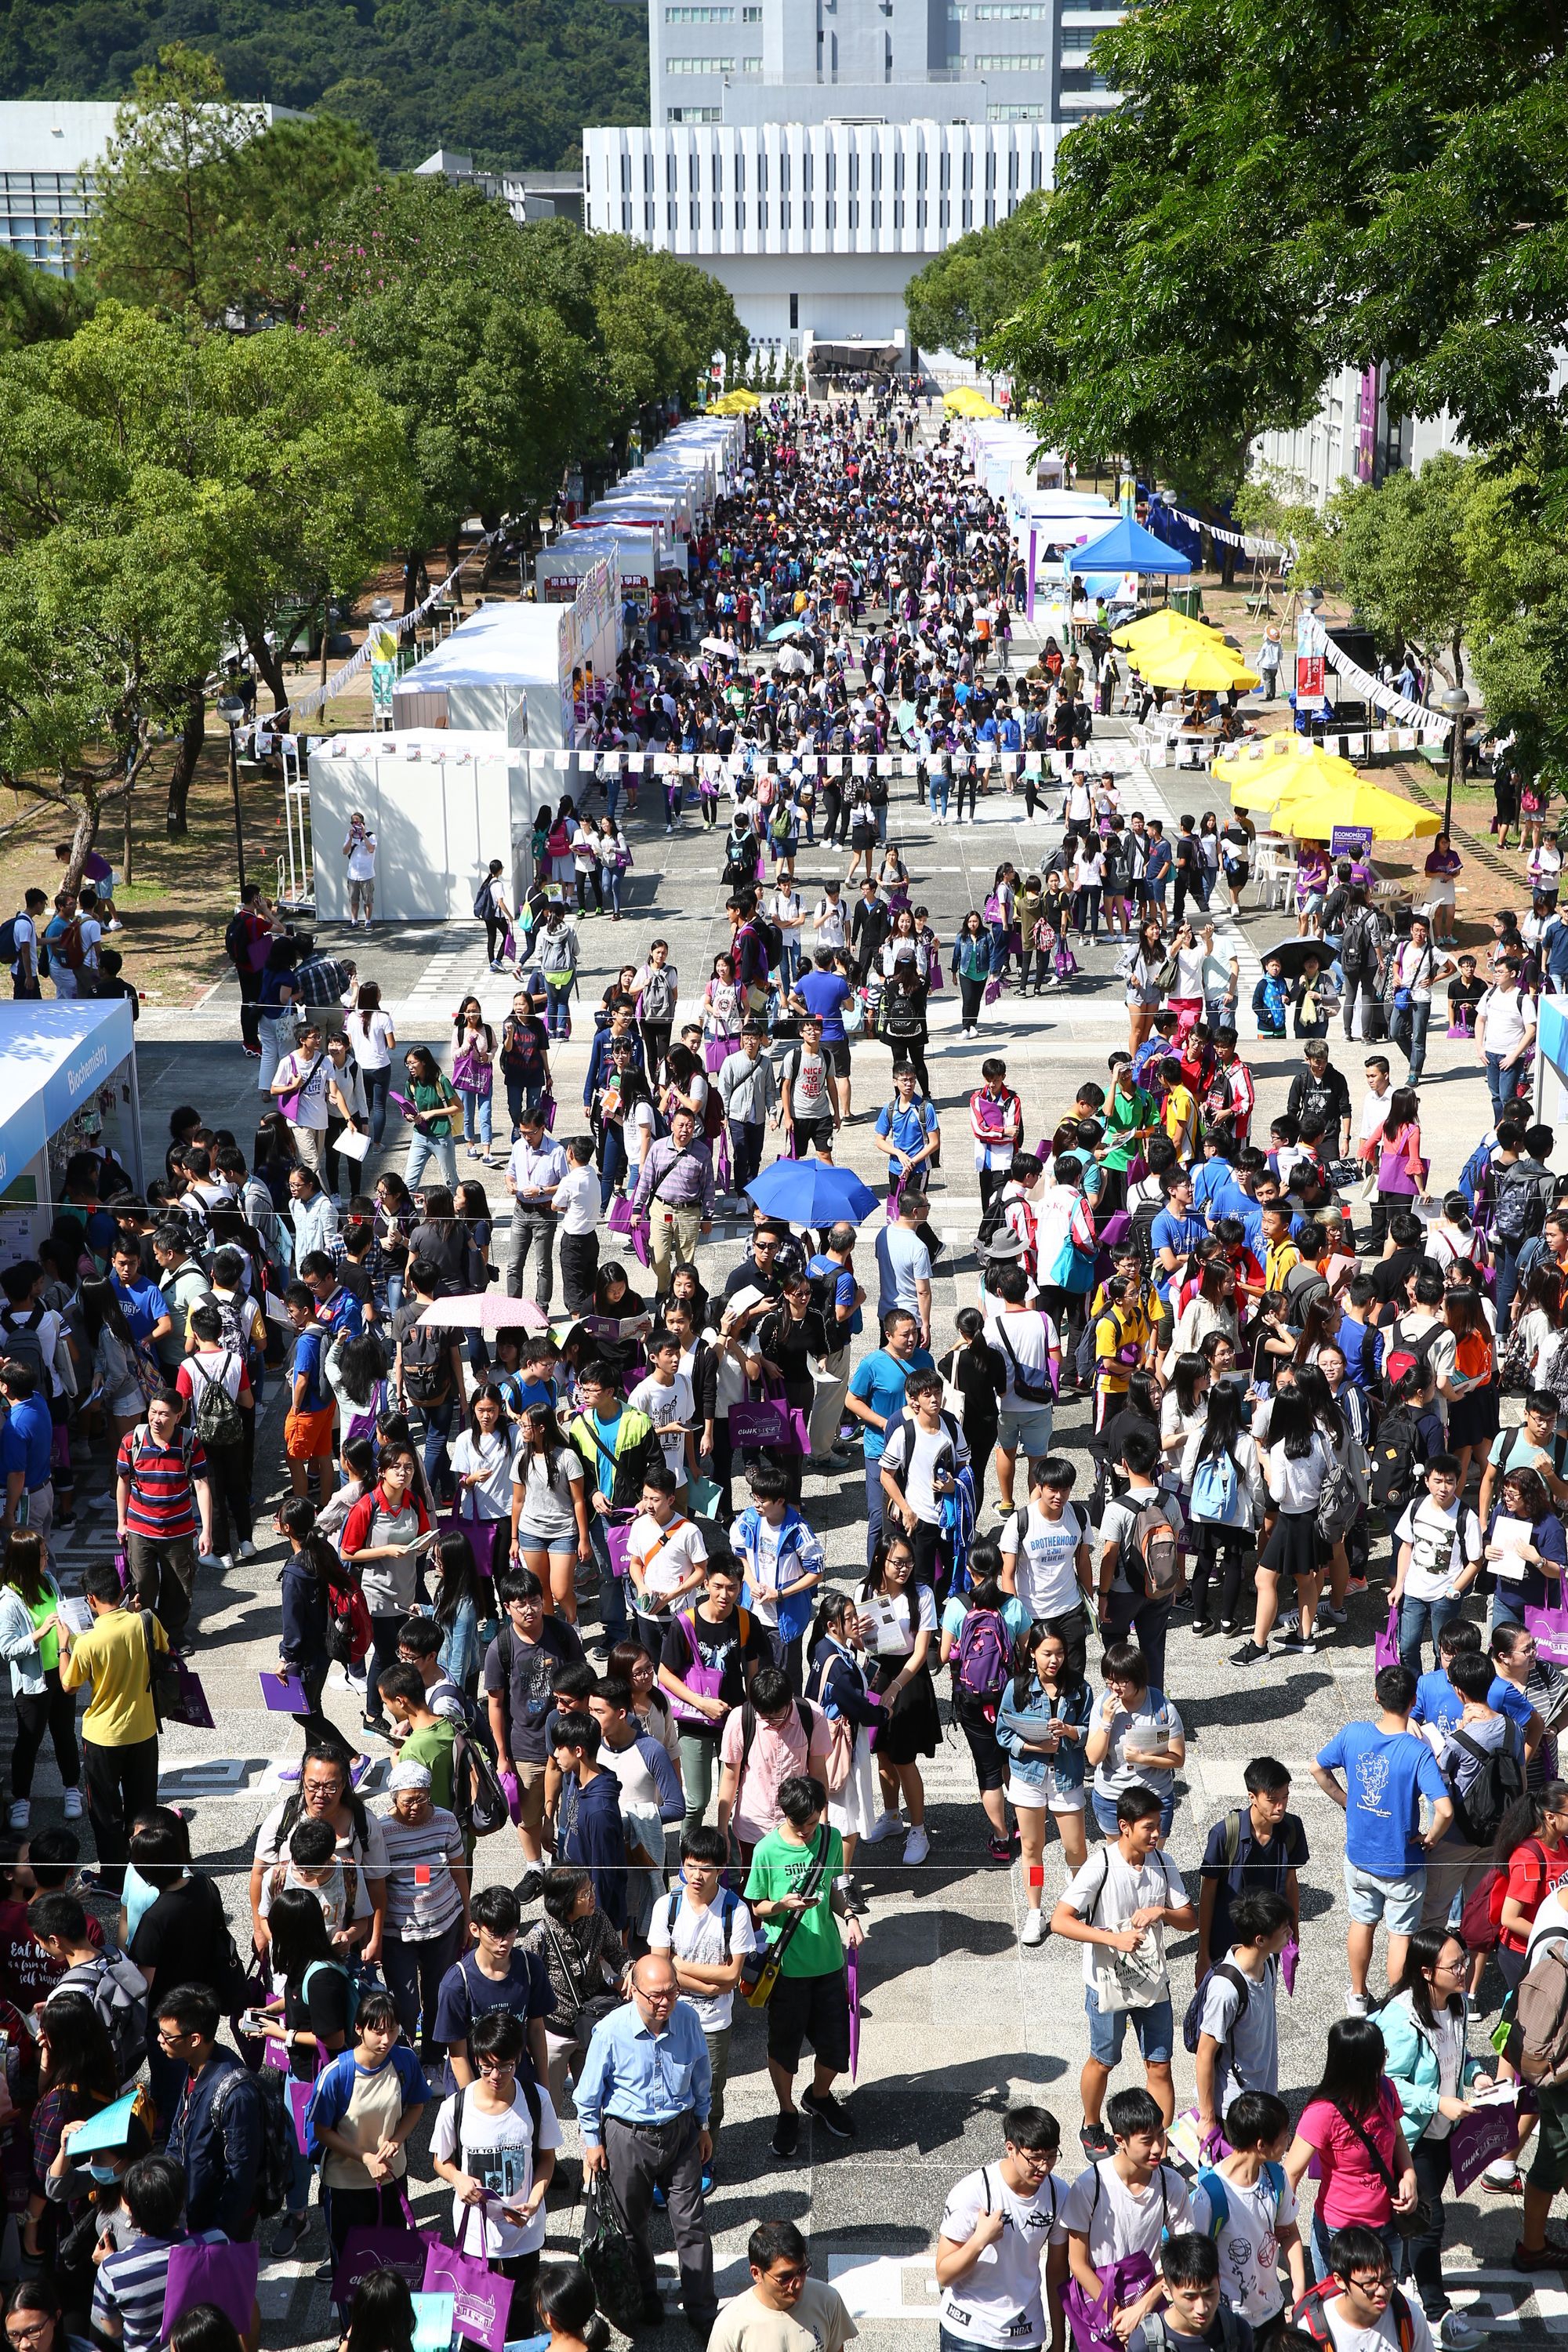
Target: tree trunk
x,y
193,735
82,839
455,557
270,669
416,579
1227,563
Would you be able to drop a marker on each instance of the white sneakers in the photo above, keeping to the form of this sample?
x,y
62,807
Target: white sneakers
x,y
21,1813
246,1551
917,1845
1356,2004
1034,1927
886,1825
73,1805
1458,2332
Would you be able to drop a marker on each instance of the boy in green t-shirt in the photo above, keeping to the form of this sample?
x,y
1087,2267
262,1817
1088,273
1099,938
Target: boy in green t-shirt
x,y
423,1736
795,1887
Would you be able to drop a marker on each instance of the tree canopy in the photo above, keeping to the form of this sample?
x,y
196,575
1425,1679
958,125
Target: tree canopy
x,y
511,81
958,300
194,212
1279,194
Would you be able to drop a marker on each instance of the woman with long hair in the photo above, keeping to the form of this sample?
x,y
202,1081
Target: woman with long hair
x,y
1424,2026
381,2316
30,1644
722,1012
78,2078
1395,1151
1351,2188
836,1682
483,1459
1141,964
34,2304
550,1528
563,2298
460,1604
1222,1479
356,1374
473,1074
123,1372
1525,1496
1182,1406
972,970
273,1155
441,1237
899,1627
434,1101
629,1662
1464,1365
1295,1464
395,1218
584,1959
1042,1723
373,1038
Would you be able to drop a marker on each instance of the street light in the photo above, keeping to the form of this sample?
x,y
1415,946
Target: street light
x,y
1455,704
232,709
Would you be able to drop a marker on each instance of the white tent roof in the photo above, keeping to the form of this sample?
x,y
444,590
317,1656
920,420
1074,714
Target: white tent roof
x,y
500,644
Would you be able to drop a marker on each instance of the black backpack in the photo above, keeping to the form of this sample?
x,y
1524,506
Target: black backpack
x,y
479,1800
236,944
1500,1784
1395,1473
275,2165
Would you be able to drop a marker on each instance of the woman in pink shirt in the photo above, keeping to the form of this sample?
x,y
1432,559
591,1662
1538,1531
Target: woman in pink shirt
x,y
1351,2124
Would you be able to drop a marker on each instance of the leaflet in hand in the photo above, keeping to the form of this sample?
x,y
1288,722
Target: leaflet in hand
x,y
1513,1534
75,1615
354,1143
889,1628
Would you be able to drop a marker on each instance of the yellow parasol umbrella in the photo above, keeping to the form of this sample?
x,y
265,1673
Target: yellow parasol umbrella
x,y
1260,776
1161,629
1311,812
1199,668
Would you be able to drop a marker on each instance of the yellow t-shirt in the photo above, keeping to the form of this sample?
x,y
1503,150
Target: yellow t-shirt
x,y
1279,1260
112,1657
1114,1331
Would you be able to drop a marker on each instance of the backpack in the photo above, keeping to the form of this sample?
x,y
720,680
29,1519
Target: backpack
x,y
1305,1288
479,1800
278,2147
1142,1235
1394,1462
980,1656
218,1415
772,941
484,900
236,940
1475,1178
1553,1374
1035,1388
1353,946
1339,1502
117,1990
1213,2185
1519,1206
1217,1493
23,1346
1473,1357
1404,1357
425,1377
1500,1783
1192,2023
728,1903
8,948
348,1976
1151,1546
1541,2010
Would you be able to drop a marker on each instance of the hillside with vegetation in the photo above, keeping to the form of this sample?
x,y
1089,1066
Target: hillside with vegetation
x,y
511,82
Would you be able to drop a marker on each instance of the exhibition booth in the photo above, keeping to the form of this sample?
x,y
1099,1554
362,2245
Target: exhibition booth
x,y
523,671
67,1083
441,802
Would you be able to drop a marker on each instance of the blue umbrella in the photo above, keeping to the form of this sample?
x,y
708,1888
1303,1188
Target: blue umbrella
x,y
810,1193
784,629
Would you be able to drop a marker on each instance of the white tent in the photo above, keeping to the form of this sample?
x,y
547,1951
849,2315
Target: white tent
x,y
442,801
68,1083
520,670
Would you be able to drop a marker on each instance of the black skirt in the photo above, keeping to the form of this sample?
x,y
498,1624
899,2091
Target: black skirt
x,y
912,1727
1294,1548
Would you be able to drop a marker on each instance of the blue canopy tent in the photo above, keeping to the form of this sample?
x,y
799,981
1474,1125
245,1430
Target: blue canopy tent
x,y
1126,547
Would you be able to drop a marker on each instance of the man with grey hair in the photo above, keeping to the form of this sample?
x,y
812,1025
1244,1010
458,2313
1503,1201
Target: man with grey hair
x,y
643,2098
840,1297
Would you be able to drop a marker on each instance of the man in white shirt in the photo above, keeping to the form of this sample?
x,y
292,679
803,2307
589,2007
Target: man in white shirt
x,y
999,2227
1505,1035
707,1932
1046,1557
903,1266
828,926
809,1094
1375,1102
1440,1555
25,981
1361,2307
534,1170
666,1556
925,1451
307,1075
786,909
1026,1341
665,1395
576,1205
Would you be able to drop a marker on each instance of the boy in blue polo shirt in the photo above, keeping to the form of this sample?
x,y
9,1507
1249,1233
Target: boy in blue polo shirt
x,y
1387,1773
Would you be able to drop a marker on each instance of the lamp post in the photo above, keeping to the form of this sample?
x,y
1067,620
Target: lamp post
x,y
232,710
1455,704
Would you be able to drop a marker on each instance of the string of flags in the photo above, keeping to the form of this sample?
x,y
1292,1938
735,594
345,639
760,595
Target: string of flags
x,y
300,705
1249,543
1430,725
726,768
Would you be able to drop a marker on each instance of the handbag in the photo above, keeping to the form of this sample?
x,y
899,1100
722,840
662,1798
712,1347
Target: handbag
x,y
1092,2323
592,2008
1386,1649
289,1104
766,1424
608,2255
623,1218
378,2247
481,2300
223,2275
1420,2221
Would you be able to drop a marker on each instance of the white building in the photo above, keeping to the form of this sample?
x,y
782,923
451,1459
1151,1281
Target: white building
x,y
813,154
1354,436
48,150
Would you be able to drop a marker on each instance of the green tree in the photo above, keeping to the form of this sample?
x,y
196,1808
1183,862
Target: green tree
x,y
34,308
1516,558
194,204
957,302
1399,553
1279,194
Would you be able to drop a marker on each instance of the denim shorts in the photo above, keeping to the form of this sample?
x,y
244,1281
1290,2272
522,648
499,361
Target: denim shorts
x,y
1396,1901
1154,2029
1025,1429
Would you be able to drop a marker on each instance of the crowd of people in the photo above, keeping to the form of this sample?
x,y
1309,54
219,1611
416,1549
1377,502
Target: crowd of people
x,y
581,1592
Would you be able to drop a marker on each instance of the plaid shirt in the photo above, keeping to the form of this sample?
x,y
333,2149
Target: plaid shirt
x,y
323,981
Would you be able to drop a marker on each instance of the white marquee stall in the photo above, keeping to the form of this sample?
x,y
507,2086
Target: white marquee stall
x,y
442,801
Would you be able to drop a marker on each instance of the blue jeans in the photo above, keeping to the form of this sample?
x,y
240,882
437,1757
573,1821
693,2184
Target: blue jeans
x,y
1414,1619
422,1150
612,1588
476,1109
943,785
376,1082
1508,1607
521,1094
557,1008
612,883
1499,1084
1505,1271
438,1429
613,1163
998,950
1105,1815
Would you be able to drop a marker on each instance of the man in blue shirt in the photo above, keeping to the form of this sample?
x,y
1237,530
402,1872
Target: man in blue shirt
x,y
145,1309
876,1395
589,1832
1387,1773
1157,872
1214,1175
27,1440
219,2128
1439,1704
643,2094
824,992
1177,1230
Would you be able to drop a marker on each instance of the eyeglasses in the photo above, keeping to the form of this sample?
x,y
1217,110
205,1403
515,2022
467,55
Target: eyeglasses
x,y
29,2331
1381,2284
787,2278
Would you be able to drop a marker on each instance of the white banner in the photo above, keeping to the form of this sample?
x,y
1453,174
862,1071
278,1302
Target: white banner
x,y
1248,541
301,705
1434,726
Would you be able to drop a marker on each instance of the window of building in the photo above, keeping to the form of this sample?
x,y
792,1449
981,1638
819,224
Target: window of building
x,y
968,213
751,16
1076,39
1012,11
944,215
794,312
626,217
700,15
920,213
699,65
1012,61
832,211
897,212
750,65
625,174
647,219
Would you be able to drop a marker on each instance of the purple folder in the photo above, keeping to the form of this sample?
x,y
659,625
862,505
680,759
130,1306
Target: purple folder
x,y
283,1694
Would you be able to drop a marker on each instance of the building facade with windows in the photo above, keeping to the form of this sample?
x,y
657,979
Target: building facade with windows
x,y
813,154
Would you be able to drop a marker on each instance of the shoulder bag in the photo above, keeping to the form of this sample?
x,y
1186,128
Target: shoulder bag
x,y
760,1971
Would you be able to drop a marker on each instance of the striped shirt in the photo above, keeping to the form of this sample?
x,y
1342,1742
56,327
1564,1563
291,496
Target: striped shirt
x,y
132,2284
418,1910
162,1504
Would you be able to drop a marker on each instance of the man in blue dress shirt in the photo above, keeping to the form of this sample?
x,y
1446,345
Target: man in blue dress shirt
x,y
642,2108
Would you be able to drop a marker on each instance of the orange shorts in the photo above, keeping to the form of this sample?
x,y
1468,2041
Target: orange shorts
x,y
308,1436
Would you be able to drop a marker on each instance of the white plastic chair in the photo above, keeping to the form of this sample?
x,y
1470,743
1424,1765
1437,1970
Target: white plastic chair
x,y
1274,868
